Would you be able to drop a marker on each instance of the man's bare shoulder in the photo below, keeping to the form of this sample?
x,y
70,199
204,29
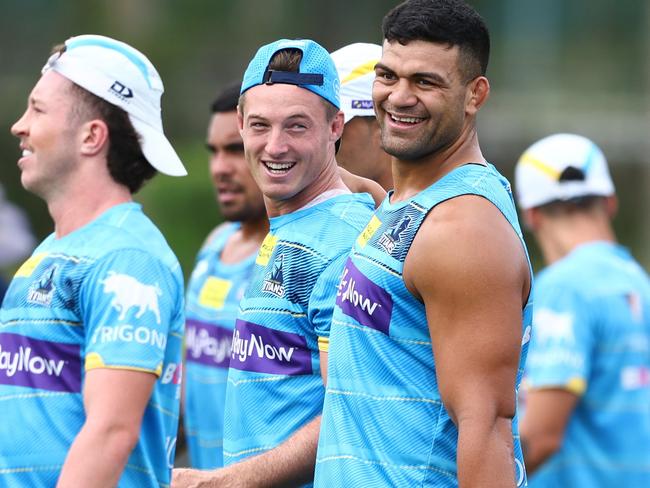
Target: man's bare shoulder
x,y
465,241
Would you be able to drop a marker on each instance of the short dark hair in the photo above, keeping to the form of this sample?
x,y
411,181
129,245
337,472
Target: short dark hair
x,y
451,22
583,204
127,165
227,99
289,60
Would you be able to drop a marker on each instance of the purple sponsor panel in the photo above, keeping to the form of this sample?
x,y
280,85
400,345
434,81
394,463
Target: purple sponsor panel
x,y
207,344
262,350
35,363
363,300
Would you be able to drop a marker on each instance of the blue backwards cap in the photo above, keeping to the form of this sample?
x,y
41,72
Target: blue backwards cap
x,y
317,72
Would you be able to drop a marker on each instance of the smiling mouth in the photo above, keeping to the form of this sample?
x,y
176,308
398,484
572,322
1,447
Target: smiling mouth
x,y
278,168
406,120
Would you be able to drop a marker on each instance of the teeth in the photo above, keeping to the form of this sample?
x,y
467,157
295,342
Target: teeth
x,y
408,120
278,167
27,152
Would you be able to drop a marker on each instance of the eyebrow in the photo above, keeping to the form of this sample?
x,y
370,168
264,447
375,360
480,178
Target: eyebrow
x,y
419,74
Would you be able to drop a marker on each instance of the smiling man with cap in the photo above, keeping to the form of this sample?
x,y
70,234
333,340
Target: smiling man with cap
x,y
92,323
587,395
361,152
289,119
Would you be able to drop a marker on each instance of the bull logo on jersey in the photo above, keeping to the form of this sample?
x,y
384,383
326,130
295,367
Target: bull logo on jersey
x,y
274,282
130,293
389,239
42,291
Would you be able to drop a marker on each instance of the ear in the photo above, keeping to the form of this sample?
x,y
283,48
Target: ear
x,y
611,206
240,120
337,126
478,91
531,219
94,137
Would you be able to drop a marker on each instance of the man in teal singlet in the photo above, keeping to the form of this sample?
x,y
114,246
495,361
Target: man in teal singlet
x,y
92,324
587,394
427,338
290,120
223,270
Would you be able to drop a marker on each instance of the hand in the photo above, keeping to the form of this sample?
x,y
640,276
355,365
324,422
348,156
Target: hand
x,y
194,478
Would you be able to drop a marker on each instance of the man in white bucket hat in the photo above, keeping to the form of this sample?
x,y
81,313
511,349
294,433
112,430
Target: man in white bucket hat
x,y
92,323
360,149
587,395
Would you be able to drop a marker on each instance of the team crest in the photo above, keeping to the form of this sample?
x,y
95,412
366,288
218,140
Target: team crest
x,y
42,291
389,239
274,281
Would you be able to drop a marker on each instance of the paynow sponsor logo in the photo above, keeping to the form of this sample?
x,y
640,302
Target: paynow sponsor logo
x,y
207,344
263,350
360,298
34,363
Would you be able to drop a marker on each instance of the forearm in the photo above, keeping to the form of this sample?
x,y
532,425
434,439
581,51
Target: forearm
x,y
289,464
97,457
485,454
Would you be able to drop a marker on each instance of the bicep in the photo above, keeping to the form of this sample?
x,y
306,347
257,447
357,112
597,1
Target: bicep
x,y
470,270
117,396
548,412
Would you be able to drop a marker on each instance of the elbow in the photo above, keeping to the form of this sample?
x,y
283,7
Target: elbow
x,y
118,439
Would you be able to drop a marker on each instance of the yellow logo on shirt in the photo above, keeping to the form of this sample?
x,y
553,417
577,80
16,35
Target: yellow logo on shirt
x,y
28,267
266,249
214,292
369,231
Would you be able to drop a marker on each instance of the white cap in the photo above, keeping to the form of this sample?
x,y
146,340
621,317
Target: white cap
x,y
356,66
561,167
123,76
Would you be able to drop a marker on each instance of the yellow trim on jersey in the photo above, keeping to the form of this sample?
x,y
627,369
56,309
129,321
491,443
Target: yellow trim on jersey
x,y
324,344
28,267
369,231
266,249
361,70
576,386
540,165
95,361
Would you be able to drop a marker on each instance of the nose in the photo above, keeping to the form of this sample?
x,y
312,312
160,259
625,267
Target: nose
x,y
220,165
401,94
20,126
276,143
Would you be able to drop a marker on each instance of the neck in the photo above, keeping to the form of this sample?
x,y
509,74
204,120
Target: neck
x,y
255,230
412,176
561,236
83,204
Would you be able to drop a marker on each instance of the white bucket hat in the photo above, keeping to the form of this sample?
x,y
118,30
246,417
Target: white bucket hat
x,y
561,167
355,64
123,76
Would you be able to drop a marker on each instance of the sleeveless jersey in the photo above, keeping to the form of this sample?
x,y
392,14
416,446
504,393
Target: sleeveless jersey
x,y
591,336
213,295
274,381
108,295
384,423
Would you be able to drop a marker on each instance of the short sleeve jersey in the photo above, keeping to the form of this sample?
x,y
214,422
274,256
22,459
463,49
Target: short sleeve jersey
x,y
212,303
108,295
274,381
384,422
591,336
